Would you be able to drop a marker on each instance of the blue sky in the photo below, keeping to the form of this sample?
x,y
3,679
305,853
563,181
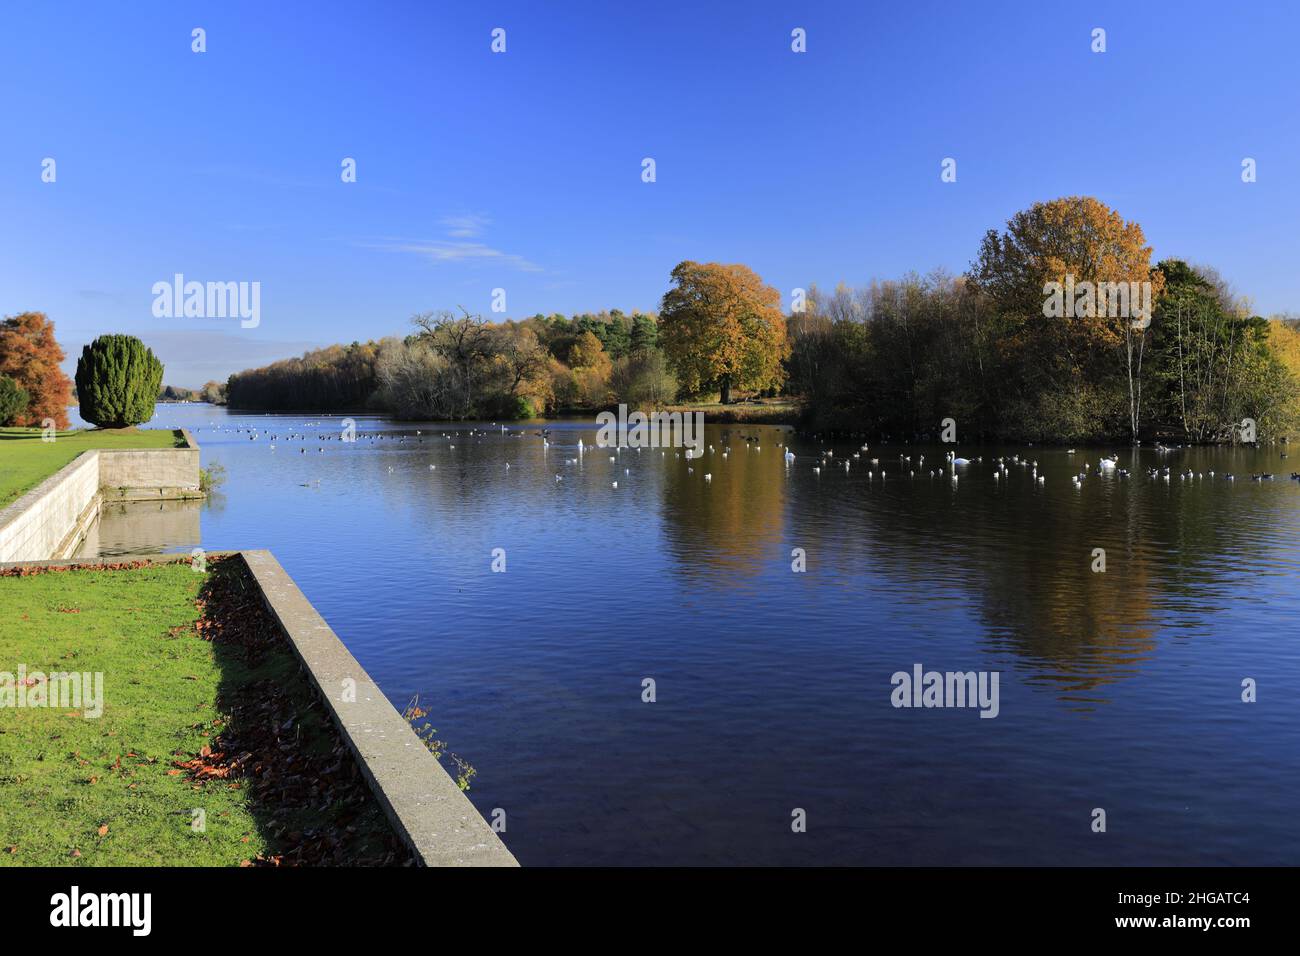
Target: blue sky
x,y
522,170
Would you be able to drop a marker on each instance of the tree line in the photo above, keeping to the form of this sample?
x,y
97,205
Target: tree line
x,y
1062,329
459,366
994,350
719,328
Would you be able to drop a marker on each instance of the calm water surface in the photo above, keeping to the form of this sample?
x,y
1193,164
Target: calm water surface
x,y
1119,690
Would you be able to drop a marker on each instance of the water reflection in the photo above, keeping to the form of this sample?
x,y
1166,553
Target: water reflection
x,y
143,527
1120,686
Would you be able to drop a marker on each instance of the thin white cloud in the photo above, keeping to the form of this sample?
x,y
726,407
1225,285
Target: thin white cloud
x,y
460,246
438,250
467,226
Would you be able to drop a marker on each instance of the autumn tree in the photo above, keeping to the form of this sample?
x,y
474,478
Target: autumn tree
x,y
722,328
1098,268
329,379
592,368
1284,343
30,355
520,354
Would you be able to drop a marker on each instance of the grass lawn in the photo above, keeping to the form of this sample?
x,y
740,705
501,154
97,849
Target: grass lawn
x,y
204,708
769,411
26,461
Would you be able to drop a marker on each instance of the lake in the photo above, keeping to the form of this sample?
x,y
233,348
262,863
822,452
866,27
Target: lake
x,y
1120,690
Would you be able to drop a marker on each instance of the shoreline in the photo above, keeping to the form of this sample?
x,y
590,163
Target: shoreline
x,y
751,413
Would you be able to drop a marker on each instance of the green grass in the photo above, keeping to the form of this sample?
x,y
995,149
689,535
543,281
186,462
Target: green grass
x,y
106,791
26,461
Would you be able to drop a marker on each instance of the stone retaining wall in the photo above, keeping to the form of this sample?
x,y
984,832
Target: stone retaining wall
x,y
150,472
51,519
38,524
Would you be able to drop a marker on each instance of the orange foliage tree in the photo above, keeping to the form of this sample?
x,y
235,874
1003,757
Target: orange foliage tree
x,y
1075,239
722,328
30,355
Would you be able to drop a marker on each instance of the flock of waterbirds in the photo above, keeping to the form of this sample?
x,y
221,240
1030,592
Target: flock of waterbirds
x,y
905,465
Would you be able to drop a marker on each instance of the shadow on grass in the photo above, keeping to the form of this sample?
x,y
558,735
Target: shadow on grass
x,y
306,792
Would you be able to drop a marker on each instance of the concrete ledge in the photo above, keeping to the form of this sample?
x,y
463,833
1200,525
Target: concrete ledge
x,y
423,804
427,810
111,495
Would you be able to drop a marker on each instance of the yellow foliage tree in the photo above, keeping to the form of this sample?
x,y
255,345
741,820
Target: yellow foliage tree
x,y
722,328
1068,242
1284,343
